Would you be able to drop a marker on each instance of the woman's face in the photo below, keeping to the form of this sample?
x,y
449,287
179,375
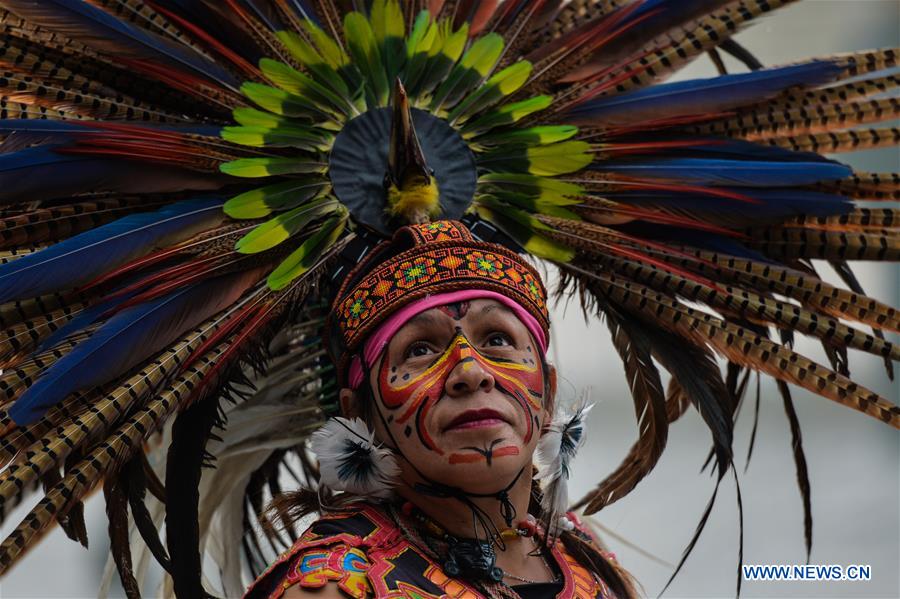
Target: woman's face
x,y
461,391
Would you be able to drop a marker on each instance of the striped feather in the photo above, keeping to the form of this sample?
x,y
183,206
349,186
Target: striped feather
x,y
127,339
747,348
106,457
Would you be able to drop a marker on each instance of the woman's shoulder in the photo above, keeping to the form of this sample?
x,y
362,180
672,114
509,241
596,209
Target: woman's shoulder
x,y
331,552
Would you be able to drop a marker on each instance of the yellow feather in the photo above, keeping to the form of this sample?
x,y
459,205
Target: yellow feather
x,y
414,201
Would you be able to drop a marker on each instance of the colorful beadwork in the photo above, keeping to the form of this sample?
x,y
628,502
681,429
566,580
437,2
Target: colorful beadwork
x,y
445,258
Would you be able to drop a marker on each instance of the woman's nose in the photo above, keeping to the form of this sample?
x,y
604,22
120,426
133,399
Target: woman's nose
x,y
468,376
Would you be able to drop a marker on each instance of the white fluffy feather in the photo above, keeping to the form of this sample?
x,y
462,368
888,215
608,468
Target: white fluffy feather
x,y
558,445
350,459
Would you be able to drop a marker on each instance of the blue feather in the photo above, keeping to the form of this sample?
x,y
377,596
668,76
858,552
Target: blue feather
x,y
39,173
701,96
694,238
79,19
80,258
721,147
126,340
51,126
24,134
740,173
266,14
303,9
85,318
771,202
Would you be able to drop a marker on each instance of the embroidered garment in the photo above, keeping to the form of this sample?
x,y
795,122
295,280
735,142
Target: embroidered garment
x,y
364,552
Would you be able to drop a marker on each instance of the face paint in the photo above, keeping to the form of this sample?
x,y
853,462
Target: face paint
x,y
484,454
412,397
455,310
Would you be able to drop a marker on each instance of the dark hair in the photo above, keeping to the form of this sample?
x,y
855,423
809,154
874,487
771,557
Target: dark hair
x,y
588,555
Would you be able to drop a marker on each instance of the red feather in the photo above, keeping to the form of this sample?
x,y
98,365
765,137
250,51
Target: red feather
x,y
212,42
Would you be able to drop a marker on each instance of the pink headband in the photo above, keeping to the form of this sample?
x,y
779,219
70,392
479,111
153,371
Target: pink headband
x,y
379,340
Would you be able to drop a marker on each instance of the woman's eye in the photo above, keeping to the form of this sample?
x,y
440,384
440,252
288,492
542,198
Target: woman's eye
x,y
418,349
499,340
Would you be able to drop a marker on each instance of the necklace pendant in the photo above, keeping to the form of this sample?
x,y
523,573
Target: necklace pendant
x,y
472,558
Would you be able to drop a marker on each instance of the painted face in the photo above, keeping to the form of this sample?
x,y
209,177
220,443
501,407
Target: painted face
x,y
463,384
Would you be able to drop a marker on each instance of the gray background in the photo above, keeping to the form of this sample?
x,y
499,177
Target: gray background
x,y
853,459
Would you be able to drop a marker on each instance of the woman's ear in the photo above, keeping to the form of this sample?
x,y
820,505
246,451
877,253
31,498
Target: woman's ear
x,y
349,402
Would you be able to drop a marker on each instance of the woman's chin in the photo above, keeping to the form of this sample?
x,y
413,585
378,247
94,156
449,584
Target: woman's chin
x,y
482,471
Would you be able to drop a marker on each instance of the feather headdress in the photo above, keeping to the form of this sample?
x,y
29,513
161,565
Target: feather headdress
x,y
184,185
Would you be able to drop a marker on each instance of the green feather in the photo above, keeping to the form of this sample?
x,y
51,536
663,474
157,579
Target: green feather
x,y
324,67
302,138
364,49
546,161
531,136
544,189
251,117
559,159
293,81
422,35
387,20
267,167
328,49
306,256
261,201
284,103
523,228
505,115
421,40
537,204
504,83
476,64
446,49
276,230
386,17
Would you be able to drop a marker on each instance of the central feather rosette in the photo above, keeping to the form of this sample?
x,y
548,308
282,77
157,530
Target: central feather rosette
x,y
327,136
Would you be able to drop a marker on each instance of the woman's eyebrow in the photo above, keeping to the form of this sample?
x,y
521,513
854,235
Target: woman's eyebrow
x,y
487,308
426,317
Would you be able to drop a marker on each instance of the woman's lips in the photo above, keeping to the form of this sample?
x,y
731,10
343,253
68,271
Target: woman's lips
x,y
476,419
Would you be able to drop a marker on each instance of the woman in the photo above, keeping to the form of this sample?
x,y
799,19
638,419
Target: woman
x,y
447,369
178,181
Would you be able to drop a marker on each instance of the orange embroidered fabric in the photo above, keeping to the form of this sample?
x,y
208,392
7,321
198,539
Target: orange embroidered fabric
x,y
366,555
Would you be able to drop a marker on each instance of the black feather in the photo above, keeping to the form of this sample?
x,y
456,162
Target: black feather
x,y
755,424
687,551
800,463
134,479
183,468
117,512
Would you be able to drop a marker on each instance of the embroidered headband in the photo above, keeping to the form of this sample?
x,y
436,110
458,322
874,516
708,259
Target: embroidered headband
x,y
428,260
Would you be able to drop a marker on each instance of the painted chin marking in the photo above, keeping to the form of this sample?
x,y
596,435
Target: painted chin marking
x,y
479,455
